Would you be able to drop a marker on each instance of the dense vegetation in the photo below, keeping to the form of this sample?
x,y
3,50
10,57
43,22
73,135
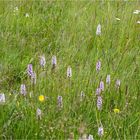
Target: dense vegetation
x,y
61,106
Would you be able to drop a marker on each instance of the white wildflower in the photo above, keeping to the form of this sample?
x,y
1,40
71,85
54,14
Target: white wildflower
x,y
98,65
38,113
136,11
30,69
84,137
2,98
42,61
99,102
90,137
108,79
82,96
100,131
102,86
23,89
33,78
118,83
60,101
54,61
69,72
98,30
15,9
98,91
27,15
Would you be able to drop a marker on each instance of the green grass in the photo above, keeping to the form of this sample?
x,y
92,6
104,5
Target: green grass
x,y
68,30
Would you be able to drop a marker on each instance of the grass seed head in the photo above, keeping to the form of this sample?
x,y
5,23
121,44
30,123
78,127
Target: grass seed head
x,y
71,136
118,19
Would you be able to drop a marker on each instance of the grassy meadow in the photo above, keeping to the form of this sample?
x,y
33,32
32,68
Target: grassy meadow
x,y
30,29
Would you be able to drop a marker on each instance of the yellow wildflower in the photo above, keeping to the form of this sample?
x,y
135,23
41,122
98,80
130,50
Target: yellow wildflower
x,y
116,110
41,98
